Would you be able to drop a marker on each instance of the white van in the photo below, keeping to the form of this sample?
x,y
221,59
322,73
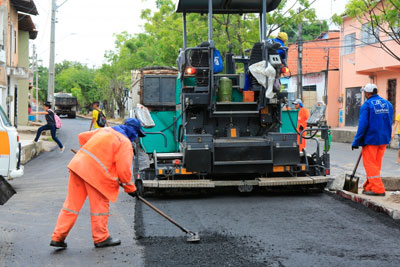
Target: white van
x,y
10,149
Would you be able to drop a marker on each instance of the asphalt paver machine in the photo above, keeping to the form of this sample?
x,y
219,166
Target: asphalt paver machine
x,y
211,142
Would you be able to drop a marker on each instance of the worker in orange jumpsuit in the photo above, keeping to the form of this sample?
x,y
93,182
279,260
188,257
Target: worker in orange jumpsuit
x,y
373,134
102,164
301,122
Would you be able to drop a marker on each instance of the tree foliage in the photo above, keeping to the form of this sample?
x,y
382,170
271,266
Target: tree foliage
x,y
310,31
382,16
160,42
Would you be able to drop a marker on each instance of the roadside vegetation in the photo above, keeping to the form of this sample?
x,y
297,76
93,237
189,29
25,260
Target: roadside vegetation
x,y
159,44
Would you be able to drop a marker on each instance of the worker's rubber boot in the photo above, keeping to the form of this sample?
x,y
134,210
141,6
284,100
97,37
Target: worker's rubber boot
x,y
370,193
109,242
58,244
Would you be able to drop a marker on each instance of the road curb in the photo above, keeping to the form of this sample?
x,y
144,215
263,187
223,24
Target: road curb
x,y
31,150
393,213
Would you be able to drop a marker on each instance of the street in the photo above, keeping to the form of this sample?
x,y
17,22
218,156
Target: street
x,y
235,230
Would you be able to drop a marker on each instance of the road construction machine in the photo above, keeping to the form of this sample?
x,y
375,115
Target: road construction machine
x,y
209,133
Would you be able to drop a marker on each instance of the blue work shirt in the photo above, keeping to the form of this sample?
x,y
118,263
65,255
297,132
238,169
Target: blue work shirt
x,y
281,52
375,123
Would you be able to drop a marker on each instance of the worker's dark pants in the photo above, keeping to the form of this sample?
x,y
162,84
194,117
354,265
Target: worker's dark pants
x,y
52,128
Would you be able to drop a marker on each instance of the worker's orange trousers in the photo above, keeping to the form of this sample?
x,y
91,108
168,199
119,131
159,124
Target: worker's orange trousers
x,y
78,190
372,160
303,140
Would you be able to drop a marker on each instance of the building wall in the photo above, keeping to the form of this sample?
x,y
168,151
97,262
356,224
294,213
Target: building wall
x,y
3,74
381,81
333,103
315,53
367,64
23,84
12,36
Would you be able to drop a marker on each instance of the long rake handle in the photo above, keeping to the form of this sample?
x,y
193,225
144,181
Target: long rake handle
x,y
358,162
154,208
162,214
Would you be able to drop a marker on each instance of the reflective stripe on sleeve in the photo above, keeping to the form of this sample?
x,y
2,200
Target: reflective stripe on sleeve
x,y
372,177
72,211
100,214
124,184
96,159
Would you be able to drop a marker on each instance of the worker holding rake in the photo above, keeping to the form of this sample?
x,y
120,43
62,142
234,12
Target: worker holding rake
x,y
373,134
102,164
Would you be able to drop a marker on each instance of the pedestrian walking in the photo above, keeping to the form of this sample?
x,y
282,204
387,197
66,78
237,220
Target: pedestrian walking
x,y
99,119
102,164
51,125
396,130
373,134
301,122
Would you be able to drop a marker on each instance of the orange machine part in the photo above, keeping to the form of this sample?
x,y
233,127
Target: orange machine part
x,y
248,96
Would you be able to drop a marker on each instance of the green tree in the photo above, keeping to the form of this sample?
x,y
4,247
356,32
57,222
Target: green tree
x,y
163,30
383,17
310,30
79,80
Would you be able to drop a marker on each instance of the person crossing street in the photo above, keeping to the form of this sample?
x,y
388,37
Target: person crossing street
x,y
102,164
373,134
51,125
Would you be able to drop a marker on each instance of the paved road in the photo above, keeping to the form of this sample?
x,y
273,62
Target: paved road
x,y
28,219
258,230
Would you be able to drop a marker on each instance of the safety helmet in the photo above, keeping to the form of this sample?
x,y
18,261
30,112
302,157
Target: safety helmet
x,y
283,36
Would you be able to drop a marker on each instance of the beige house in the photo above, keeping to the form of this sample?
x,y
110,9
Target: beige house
x,y
14,57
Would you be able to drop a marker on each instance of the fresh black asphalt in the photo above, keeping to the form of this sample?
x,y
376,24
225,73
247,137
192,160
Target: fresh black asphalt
x,y
235,230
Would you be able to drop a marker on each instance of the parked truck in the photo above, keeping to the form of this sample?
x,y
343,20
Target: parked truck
x,y
10,156
207,135
65,104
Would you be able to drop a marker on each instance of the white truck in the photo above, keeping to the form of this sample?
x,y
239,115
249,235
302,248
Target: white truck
x,y
10,149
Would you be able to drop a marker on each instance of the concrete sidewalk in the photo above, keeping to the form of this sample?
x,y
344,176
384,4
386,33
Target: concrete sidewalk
x,y
30,149
389,204
346,135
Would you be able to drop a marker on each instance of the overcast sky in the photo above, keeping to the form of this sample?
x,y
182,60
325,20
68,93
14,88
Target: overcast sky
x,y
85,28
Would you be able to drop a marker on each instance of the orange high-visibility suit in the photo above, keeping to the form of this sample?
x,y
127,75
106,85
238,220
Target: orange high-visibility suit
x,y
100,166
301,125
372,159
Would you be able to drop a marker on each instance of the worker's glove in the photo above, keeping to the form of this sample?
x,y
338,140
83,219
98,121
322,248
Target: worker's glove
x,y
301,128
133,194
354,147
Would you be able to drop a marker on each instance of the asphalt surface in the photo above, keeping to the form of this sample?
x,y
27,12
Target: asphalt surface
x,y
235,230
28,218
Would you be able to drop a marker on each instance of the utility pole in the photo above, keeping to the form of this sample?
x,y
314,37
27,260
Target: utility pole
x,y
35,70
300,61
326,78
50,90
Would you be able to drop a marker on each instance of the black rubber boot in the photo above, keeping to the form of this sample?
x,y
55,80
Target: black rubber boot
x,y
370,193
109,242
61,244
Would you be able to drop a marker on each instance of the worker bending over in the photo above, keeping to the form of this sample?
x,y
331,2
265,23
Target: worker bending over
x,y
102,164
373,134
301,122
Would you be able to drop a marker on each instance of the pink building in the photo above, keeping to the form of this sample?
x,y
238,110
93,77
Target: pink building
x,y
362,61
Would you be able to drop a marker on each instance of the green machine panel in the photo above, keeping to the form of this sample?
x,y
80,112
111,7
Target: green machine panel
x,y
155,142
287,126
